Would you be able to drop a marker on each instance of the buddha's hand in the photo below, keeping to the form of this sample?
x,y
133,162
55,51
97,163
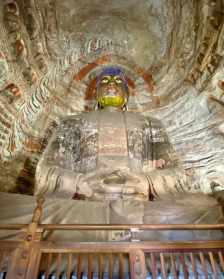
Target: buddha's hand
x,y
112,183
160,163
83,187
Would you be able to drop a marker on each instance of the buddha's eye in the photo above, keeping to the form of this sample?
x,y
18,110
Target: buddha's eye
x,y
105,80
118,80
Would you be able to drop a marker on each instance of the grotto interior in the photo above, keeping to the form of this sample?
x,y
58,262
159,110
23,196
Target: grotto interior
x,y
167,55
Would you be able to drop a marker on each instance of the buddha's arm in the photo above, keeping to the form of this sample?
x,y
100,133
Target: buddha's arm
x,y
55,180
168,175
167,181
56,171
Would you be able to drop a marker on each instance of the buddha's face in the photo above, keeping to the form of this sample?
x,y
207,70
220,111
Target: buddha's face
x,y
112,91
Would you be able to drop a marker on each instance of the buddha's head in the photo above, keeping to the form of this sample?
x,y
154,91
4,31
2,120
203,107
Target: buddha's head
x,y
112,88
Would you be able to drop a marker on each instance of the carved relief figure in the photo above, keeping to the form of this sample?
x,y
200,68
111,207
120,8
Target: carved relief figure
x,y
4,69
11,92
13,25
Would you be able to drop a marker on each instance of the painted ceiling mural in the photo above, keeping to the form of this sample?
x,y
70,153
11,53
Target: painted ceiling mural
x,y
171,50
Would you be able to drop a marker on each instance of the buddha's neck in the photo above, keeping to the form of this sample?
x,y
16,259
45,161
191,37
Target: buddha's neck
x,y
112,109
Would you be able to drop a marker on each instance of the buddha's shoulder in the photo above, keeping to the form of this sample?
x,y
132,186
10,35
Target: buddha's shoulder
x,y
78,119
91,118
137,119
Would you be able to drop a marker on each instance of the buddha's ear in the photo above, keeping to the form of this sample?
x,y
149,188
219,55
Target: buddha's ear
x,y
97,106
125,107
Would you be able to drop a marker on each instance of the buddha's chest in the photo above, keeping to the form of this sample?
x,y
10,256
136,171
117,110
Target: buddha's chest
x,y
115,140
123,141
112,135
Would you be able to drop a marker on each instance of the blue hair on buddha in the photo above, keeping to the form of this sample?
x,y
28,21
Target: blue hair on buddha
x,y
113,71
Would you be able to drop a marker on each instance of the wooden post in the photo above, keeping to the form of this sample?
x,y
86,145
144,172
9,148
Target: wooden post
x,y
26,257
137,264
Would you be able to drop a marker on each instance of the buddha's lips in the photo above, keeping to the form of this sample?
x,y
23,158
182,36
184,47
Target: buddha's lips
x,y
110,95
111,92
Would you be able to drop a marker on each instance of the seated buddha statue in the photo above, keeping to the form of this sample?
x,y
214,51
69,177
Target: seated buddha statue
x,y
113,166
110,153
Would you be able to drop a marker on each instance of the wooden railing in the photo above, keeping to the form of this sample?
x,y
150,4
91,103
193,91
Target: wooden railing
x,y
33,258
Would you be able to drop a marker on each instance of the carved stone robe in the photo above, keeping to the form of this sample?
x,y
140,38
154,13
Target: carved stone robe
x,y
109,155
110,159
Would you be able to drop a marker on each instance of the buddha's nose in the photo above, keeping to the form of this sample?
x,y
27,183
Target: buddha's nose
x,y
111,83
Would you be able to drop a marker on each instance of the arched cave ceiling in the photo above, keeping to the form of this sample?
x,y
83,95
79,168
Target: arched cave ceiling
x,y
172,52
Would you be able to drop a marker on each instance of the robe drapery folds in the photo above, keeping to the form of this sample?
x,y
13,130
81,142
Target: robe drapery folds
x,y
108,155
127,172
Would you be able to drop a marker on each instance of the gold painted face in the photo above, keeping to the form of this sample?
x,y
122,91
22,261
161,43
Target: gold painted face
x,y
112,91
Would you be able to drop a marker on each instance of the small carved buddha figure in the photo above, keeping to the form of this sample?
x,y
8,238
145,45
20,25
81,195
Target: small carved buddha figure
x,y
110,153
